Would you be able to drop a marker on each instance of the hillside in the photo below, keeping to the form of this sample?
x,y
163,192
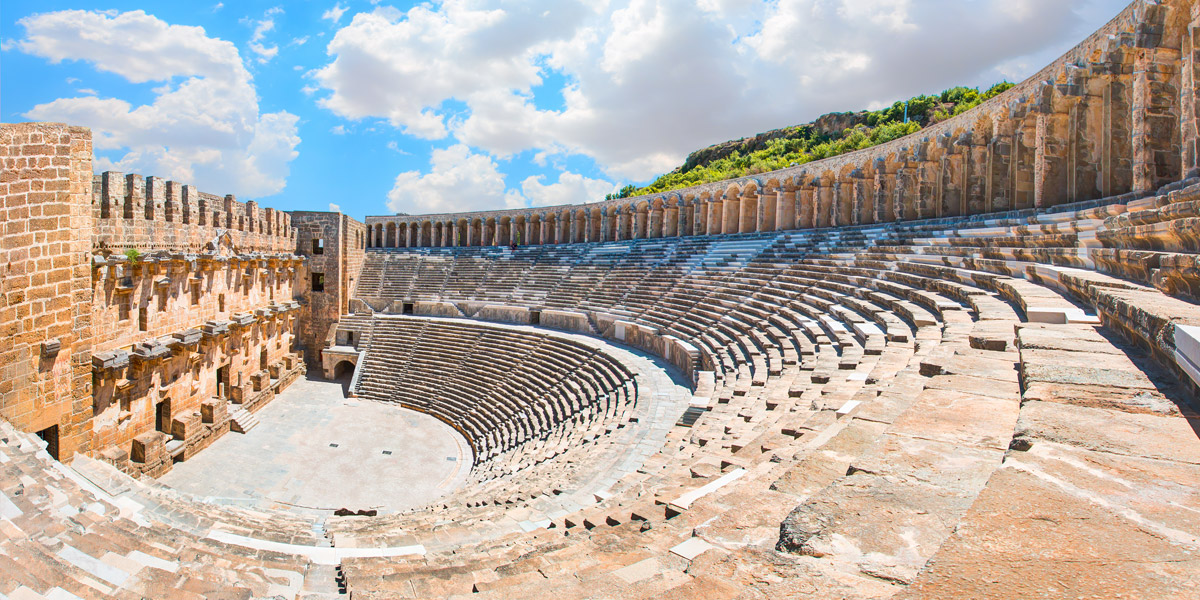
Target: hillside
x,y
829,135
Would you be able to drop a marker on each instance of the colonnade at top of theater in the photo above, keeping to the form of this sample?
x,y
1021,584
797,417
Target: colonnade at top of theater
x,y
1117,114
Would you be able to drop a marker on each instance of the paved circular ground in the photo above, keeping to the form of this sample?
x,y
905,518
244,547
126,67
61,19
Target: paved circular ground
x,y
315,449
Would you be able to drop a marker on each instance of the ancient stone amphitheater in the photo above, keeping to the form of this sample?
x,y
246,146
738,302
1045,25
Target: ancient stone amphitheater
x,y
960,365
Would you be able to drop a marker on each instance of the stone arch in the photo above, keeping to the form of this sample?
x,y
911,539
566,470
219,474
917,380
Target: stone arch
x,y
520,233
504,231
342,369
748,207
391,235
475,232
640,215
595,216
579,226
489,232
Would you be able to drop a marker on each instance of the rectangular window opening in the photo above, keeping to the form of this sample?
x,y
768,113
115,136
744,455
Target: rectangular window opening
x,y
318,282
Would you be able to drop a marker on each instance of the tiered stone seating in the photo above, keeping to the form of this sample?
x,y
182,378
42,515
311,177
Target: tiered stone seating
x,y
515,395
879,411
867,386
63,536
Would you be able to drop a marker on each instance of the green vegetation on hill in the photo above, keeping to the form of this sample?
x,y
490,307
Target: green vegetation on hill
x,y
830,135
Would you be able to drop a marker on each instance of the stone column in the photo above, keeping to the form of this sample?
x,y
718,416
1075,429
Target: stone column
x,y
785,210
809,197
656,223
1156,130
768,206
880,192
901,210
730,215
748,209
1189,87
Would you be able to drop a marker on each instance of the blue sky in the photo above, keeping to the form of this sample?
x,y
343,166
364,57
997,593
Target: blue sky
x,y
380,107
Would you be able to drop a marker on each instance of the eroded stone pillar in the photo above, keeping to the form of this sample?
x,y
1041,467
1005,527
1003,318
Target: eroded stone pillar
x,y
1155,127
748,209
768,211
785,210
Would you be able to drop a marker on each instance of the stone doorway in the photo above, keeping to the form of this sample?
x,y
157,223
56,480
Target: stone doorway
x,y
50,436
223,381
162,416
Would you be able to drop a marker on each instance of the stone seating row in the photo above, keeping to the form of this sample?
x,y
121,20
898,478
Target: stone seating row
x,y
944,390
509,392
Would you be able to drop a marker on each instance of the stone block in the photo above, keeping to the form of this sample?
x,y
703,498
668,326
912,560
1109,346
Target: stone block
x,y
1187,350
213,410
186,426
149,448
260,381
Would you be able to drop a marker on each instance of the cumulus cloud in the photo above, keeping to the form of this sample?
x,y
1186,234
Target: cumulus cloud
x,y
334,208
203,125
458,180
571,188
402,66
647,81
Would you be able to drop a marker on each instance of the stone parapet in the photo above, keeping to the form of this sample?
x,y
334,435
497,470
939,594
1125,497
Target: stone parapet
x,y
150,213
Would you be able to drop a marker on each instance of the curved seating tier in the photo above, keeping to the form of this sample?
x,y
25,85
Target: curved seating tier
x,y
931,409
518,396
876,400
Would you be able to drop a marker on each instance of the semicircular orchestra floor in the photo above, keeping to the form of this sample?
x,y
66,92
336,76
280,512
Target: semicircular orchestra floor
x,y
314,449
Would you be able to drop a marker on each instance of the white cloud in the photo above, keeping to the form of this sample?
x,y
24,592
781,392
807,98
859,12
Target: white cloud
x,y
458,180
334,208
299,41
402,66
218,6
647,81
335,14
202,127
338,130
261,28
88,91
571,188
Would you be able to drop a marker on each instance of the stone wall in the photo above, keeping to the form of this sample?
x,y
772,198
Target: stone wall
x,y
334,246
149,213
182,330
137,359
1116,114
45,313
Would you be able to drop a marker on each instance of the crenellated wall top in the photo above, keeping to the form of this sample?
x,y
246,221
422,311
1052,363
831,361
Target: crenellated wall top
x,y
151,213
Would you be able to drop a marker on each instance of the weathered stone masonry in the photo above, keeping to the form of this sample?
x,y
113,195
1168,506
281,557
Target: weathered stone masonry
x,y
1116,114
334,246
147,315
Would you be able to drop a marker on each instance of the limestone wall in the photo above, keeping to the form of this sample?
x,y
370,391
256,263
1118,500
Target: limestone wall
x,y
179,330
334,246
135,359
149,213
45,321
1114,115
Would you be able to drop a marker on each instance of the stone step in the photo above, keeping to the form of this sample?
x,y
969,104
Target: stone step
x,y
242,420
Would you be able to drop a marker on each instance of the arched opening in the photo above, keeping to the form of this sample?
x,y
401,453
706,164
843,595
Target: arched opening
x,y
343,373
